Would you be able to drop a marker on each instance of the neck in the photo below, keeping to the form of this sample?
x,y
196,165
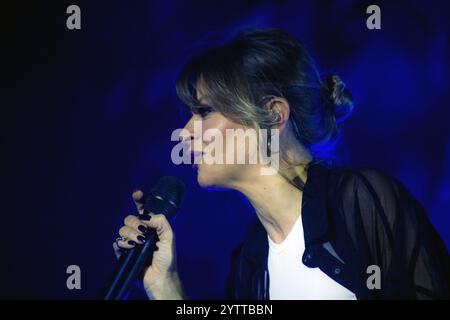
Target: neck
x,y
277,203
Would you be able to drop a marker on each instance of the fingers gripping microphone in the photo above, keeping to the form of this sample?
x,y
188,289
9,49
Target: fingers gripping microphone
x,y
165,198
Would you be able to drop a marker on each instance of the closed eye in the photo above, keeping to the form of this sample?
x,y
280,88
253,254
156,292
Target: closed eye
x,y
203,111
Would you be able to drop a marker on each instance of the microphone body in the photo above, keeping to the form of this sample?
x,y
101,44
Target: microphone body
x,y
164,198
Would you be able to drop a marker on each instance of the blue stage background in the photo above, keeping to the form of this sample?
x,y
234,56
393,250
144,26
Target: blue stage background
x,y
87,117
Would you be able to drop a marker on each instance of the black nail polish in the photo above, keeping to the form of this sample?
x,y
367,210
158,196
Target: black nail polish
x,y
141,239
146,217
131,243
142,229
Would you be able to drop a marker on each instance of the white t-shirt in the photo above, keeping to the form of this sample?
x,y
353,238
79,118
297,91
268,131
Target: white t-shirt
x,y
290,279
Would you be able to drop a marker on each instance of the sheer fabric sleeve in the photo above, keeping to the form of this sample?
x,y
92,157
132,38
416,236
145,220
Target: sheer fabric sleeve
x,y
231,290
389,225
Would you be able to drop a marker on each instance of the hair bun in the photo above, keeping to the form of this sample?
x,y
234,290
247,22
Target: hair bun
x,y
340,97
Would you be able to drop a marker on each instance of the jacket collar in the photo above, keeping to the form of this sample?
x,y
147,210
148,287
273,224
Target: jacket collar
x,y
315,219
315,216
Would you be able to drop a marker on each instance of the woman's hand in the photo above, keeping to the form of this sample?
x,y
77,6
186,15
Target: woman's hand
x,y
161,279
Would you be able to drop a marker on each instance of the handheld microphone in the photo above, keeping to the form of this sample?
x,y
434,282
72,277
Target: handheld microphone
x,y
164,198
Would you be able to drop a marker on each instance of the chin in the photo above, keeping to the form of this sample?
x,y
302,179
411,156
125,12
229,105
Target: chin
x,y
204,179
211,179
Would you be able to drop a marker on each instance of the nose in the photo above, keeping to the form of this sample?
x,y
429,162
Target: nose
x,y
192,135
188,135
193,138
190,124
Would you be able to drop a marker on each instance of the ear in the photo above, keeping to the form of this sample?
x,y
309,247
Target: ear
x,y
280,106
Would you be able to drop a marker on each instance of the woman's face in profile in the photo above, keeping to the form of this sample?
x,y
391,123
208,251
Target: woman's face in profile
x,y
220,173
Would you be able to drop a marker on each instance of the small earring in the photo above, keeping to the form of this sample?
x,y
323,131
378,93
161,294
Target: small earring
x,y
269,151
277,117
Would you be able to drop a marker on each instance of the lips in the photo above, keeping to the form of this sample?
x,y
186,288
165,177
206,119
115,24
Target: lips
x,y
196,157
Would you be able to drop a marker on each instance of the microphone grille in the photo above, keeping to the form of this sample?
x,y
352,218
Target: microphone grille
x,y
165,197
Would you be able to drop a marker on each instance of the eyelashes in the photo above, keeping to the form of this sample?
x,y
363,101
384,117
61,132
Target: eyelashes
x,y
203,111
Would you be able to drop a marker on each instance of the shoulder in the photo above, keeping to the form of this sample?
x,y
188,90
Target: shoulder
x,y
369,194
364,182
373,197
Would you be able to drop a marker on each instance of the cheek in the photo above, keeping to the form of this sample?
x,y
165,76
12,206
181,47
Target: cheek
x,y
221,124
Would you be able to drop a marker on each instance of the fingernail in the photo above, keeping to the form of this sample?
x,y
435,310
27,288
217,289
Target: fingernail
x,y
131,243
146,217
141,239
142,229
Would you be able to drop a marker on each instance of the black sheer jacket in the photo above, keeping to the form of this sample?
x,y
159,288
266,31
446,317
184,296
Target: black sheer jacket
x,y
354,219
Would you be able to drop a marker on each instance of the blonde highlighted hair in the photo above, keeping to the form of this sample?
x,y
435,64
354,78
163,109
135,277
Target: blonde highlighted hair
x,y
241,76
